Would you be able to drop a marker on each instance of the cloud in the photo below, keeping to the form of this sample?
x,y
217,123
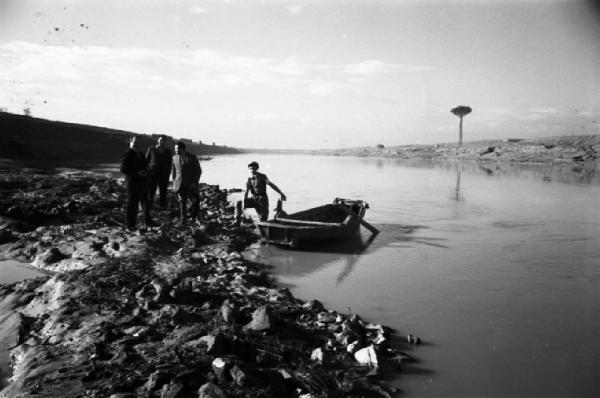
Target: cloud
x,y
295,9
260,117
377,67
183,71
196,9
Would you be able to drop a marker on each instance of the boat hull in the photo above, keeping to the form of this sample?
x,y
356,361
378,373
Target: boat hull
x,y
319,224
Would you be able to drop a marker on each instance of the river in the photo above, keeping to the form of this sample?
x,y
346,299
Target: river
x,y
496,268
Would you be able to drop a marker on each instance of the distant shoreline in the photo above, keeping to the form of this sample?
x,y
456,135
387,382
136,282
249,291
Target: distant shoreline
x,y
32,142
557,150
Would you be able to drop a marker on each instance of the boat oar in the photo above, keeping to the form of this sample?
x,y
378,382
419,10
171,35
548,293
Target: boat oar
x,y
360,220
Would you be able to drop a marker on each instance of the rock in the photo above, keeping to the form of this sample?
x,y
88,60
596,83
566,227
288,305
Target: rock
x,y
326,317
221,367
238,375
6,236
367,356
352,347
261,319
413,339
314,305
381,340
172,390
345,337
199,235
317,355
48,257
138,331
275,380
162,290
154,380
228,310
215,344
211,390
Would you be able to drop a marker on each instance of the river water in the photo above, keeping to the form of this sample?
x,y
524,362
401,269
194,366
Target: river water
x,y
495,268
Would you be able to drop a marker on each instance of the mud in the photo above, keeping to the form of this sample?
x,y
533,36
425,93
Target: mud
x,y
169,311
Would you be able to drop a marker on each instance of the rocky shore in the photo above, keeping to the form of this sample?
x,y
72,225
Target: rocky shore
x,y
561,150
165,312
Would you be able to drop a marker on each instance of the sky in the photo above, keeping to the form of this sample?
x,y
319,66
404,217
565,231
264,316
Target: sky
x,y
306,74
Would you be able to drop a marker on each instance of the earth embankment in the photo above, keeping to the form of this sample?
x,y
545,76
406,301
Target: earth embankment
x,y
29,140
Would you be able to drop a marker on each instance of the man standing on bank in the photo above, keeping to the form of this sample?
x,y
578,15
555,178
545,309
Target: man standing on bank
x,y
133,165
186,174
257,187
159,160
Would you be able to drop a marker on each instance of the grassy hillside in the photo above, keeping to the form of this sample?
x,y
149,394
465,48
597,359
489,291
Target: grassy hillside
x,y
31,139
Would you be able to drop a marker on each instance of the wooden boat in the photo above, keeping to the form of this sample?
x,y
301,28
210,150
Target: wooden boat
x,y
335,221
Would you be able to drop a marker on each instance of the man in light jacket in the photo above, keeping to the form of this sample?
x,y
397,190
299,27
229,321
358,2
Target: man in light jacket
x,y
186,174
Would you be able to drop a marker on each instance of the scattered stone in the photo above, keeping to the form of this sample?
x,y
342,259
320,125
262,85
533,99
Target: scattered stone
x,y
228,310
367,356
50,256
6,236
352,347
161,288
317,355
215,344
413,339
211,390
261,319
275,380
238,375
172,390
155,380
314,305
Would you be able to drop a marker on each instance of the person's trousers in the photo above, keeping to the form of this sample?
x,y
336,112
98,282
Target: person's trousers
x,y
262,207
137,195
161,182
190,194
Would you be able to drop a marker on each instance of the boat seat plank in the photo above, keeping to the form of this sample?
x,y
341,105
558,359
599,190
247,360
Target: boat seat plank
x,y
304,222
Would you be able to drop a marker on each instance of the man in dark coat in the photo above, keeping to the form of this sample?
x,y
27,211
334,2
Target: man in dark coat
x,y
133,165
257,188
186,172
159,160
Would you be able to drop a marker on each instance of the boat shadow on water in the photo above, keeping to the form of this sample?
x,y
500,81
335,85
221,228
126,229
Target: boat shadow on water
x,y
309,259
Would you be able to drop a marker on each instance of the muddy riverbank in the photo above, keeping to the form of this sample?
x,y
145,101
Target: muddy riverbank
x,y
165,312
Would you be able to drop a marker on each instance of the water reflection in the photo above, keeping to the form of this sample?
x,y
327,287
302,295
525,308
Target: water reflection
x,y
309,260
581,173
345,254
457,195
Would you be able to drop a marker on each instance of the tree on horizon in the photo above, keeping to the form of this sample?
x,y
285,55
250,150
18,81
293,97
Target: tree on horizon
x,y
461,111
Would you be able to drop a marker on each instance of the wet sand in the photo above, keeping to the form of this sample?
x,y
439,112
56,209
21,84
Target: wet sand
x,y
169,311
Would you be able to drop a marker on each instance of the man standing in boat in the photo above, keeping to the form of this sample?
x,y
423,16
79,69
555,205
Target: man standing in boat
x,y
257,187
